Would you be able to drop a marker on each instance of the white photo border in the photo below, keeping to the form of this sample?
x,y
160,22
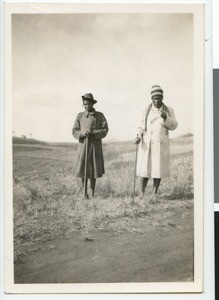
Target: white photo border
x,y
185,287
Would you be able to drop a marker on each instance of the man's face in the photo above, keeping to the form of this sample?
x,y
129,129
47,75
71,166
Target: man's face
x,y
88,105
157,101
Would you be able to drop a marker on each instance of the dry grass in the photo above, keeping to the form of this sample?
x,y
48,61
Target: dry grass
x,y
51,204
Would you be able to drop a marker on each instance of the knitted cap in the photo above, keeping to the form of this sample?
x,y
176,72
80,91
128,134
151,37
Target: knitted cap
x,y
156,90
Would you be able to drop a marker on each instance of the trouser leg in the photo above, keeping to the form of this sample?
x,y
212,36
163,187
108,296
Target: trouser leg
x,y
93,185
144,181
156,184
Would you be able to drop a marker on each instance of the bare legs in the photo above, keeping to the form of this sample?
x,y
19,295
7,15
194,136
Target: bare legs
x,y
144,181
92,186
156,184
143,184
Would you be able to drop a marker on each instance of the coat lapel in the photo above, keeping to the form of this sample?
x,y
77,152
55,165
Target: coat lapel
x,y
165,109
86,113
146,116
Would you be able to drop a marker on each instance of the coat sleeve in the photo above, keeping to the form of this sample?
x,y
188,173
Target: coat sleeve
x,y
76,130
102,132
170,122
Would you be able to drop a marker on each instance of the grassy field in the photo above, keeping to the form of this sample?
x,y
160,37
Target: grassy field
x,y
48,201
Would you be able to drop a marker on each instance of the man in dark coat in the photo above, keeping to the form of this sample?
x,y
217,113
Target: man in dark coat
x,y
90,127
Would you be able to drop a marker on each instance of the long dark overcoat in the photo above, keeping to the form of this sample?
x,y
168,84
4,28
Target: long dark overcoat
x,y
97,123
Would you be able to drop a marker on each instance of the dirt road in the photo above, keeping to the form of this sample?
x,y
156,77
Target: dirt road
x,y
159,254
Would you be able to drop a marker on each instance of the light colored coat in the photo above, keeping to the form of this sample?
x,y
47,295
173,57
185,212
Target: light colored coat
x,y
154,150
96,122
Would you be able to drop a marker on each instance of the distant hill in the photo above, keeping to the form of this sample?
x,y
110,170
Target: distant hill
x,y
183,136
63,144
108,141
31,141
21,140
187,135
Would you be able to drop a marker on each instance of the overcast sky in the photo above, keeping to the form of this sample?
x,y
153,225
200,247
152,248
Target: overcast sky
x,y
56,58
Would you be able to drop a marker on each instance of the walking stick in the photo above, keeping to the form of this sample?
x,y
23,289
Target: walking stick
x,y
85,167
136,156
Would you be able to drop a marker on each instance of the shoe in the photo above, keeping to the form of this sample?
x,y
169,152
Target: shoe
x,y
86,196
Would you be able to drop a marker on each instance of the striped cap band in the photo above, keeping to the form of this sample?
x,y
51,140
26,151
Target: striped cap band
x,y
156,90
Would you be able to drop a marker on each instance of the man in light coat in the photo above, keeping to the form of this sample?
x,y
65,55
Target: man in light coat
x,y
153,151
92,126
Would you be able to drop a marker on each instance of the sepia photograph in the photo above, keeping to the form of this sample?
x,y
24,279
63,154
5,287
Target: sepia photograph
x,y
104,148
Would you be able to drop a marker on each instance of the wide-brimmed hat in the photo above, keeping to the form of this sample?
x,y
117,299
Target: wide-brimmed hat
x,y
89,97
156,90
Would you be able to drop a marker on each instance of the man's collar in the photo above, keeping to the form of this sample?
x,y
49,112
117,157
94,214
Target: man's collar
x,y
86,113
156,108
